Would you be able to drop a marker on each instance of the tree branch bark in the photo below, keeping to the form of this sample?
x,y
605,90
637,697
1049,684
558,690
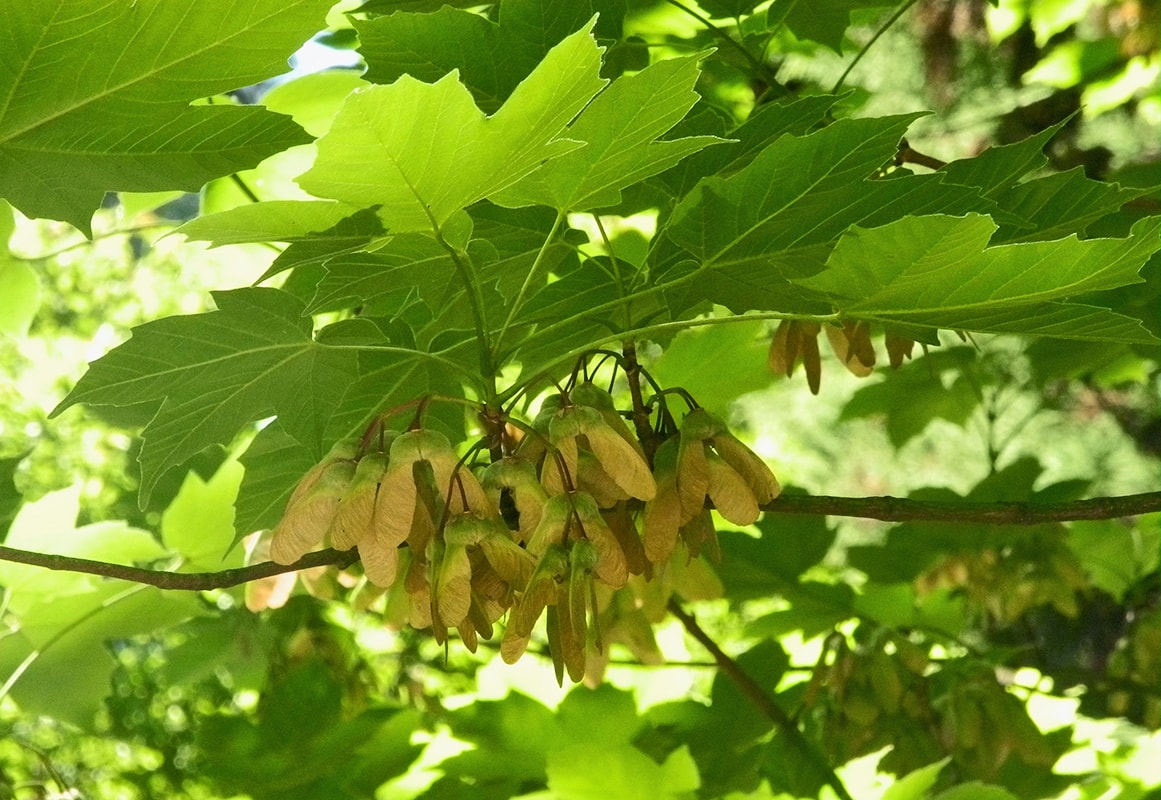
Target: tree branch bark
x,y
898,509
762,701
890,509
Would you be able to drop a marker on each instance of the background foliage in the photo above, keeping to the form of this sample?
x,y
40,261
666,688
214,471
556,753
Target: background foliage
x,y
442,231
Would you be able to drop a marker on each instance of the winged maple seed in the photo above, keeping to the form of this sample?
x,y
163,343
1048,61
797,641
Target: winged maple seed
x,y
592,535
797,340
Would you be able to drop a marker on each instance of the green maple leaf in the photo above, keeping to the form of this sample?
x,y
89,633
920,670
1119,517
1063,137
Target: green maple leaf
x,y
96,96
620,128
779,217
765,124
1000,167
425,151
492,58
940,271
59,650
269,221
1060,204
821,22
218,372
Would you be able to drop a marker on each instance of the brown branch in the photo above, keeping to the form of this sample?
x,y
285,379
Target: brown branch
x,y
190,581
897,509
641,422
907,155
762,701
890,509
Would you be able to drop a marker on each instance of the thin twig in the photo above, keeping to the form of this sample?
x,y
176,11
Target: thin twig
x,y
762,701
641,421
189,581
859,57
909,155
760,69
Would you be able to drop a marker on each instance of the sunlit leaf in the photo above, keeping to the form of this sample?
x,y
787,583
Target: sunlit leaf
x,y
436,151
98,96
939,271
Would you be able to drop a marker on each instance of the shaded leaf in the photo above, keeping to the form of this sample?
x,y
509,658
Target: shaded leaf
x,y
1060,204
491,58
940,271
824,23
73,126
778,218
620,129
761,567
921,388
220,371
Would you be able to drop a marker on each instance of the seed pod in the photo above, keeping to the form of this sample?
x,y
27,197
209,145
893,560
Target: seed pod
x,y
621,461
611,567
309,516
592,478
451,570
343,450
568,653
357,507
700,534
588,394
898,348
555,521
692,476
397,608
793,340
730,493
467,495
518,477
551,571
453,586
583,561
396,500
663,513
468,636
624,527
852,344
420,611
558,471
763,485
380,560
428,510
783,349
811,360
478,620
510,561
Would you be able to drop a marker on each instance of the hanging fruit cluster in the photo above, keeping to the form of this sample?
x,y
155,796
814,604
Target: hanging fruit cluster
x,y
569,510
883,692
796,341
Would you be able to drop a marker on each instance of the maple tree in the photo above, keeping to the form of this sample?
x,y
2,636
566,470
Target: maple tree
x,y
520,270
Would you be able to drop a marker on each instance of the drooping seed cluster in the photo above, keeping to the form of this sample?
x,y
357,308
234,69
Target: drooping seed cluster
x,y
797,340
570,513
